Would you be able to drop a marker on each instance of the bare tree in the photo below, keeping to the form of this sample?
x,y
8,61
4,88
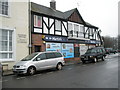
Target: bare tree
x,y
110,42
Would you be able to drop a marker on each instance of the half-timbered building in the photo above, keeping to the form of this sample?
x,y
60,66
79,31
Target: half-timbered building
x,y
67,32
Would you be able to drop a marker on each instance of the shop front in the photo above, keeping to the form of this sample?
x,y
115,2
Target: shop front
x,y
59,43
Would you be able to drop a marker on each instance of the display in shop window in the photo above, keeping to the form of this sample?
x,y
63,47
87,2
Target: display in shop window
x,y
66,49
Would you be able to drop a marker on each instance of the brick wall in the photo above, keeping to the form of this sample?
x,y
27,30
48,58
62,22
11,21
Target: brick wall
x,y
37,40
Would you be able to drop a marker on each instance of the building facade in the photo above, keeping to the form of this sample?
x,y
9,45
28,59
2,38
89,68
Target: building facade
x,y
36,28
13,32
66,32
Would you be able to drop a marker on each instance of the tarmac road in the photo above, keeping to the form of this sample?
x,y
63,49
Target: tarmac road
x,y
103,74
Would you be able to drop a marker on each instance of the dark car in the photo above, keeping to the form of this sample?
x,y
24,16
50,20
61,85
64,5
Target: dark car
x,y
107,50
94,54
110,50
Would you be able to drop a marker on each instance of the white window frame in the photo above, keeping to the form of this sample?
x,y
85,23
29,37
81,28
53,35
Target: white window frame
x,y
36,21
13,46
8,15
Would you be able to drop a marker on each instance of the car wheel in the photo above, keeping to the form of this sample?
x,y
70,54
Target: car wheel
x,y
95,60
59,66
31,71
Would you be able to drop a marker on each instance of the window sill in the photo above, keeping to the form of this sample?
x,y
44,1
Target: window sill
x,y
7,16
7,60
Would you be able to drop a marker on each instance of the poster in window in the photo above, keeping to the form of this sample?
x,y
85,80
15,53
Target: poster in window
x,y
53,47
67,50
37,21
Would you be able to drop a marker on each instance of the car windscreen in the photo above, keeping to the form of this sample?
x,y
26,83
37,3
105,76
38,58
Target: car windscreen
x,y
90,51
29,57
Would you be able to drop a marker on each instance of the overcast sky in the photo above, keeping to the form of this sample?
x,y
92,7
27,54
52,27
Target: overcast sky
x,y
101,13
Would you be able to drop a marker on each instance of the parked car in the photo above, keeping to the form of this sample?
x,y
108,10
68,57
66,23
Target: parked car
x,y
39,61
110,50
113,51
94,54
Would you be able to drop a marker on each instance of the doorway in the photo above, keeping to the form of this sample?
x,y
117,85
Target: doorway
x,y
37,48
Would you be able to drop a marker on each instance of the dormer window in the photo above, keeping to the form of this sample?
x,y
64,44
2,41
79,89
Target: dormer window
x,y
4,7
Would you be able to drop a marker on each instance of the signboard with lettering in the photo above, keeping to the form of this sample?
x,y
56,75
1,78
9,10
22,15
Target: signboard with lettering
x,y
55,38
21,38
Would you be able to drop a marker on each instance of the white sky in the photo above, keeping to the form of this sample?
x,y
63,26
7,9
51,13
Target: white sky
x,y
101,13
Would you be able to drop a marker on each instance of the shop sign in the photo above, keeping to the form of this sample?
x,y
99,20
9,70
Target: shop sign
x,y
94,42
55,38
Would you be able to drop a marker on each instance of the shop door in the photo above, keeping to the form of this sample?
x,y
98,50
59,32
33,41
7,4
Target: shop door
x,y
76,50
37,48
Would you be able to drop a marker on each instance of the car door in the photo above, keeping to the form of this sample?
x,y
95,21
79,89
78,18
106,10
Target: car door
x,y
40,61
98,53
51,60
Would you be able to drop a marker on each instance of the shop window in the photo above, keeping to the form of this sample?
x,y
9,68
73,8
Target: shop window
x,y
4,7
6,44
37,21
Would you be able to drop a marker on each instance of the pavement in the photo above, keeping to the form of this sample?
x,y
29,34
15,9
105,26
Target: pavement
x,y
9,72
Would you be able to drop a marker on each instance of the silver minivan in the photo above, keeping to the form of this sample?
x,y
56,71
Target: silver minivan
x,y
39,61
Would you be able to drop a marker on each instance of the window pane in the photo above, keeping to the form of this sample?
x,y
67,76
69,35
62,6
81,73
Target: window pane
x,y
4,35
10,55
4,7
4,46
42,56
69,26
58,54
58,25
37,21
50,55
3,55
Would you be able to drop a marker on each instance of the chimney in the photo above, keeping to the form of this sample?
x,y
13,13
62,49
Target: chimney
x,y
53,4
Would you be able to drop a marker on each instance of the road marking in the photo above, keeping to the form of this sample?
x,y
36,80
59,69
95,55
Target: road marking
x,y
17,78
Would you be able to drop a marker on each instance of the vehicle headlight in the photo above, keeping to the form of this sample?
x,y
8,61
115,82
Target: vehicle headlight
x,y
22,65
91,56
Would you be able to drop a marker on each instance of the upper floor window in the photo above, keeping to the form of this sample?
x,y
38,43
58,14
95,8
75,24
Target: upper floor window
x,y
37,21
81,29
4,7
70,27
58,25
76,27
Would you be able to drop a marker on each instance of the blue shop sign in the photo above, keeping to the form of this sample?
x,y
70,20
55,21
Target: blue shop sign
x,y
55,38
94,42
